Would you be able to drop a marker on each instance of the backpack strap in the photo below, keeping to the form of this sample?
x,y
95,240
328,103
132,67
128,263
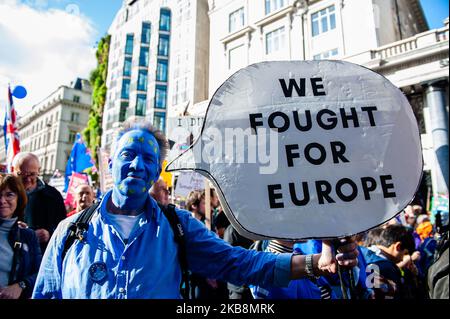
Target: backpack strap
x,y
16,255
78,228
180,239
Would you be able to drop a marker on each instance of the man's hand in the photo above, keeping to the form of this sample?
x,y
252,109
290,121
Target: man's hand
x,y
347,256
326,262
10,292
43,235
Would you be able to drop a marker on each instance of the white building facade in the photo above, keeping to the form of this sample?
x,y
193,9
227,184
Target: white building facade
x,y
245,32
50,128
158,61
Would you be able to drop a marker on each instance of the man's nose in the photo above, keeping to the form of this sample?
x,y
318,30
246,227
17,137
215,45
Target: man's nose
x,y
137,163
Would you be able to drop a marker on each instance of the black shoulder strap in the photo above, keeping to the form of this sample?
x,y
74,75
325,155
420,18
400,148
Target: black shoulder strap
x,y
78,228
16,257
174,221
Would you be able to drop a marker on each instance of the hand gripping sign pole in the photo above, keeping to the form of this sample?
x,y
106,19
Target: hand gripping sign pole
x,y
308,149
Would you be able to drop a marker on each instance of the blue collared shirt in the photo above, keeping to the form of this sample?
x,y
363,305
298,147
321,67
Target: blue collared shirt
x,y
147,266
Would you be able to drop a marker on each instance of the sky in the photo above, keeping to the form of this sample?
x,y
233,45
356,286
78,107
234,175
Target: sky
x,y
48,43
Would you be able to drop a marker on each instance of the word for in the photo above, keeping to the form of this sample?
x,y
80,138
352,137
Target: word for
x,y
325,119
337,152
323,190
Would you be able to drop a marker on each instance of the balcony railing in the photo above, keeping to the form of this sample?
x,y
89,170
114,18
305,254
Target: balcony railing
x,y
421,40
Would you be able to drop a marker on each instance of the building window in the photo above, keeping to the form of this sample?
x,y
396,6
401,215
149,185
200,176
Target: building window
x,y
159,121
129,44
236,20
161,97
75,117
164,20
236,57
323,21
72,136
145,37
275,40
161,71
142,80
163,45
76,99
273,5
141,104
125,94
144,56
326,54
123,111
127,67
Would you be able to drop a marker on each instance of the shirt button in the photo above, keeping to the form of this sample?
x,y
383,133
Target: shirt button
x,y
123,257
121,290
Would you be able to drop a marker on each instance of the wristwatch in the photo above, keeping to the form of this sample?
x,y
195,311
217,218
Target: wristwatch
x,y
22,284
310,267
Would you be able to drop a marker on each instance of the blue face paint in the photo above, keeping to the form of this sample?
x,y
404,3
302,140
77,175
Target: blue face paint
x,y
135,168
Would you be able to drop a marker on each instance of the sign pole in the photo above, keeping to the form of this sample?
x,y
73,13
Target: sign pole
x,y
207,204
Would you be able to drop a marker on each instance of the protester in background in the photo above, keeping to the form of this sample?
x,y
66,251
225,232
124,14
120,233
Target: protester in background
x,y
217,214
201,287
196,204
20,254
45,208
84,198
221,223
389,246
231,236
160,192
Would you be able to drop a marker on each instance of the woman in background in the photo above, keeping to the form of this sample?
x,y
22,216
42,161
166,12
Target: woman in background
x,y
20,254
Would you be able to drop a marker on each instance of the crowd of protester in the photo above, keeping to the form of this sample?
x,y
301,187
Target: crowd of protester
x,y
394,260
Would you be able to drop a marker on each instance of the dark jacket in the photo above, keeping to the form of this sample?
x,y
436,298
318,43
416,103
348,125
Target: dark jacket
x,y
388,270
45,209
28,259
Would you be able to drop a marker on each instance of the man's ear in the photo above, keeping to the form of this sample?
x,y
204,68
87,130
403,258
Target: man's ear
x,y
398,246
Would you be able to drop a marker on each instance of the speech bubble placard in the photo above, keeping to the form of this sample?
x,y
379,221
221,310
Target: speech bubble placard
x,y
308,149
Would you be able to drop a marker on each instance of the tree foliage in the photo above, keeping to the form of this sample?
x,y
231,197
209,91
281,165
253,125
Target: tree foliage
x,y
93,131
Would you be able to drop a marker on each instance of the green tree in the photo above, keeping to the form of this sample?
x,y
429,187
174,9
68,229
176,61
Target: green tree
x,y
93,131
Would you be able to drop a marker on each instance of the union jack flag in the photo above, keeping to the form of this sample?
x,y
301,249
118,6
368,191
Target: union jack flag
x,y
12,143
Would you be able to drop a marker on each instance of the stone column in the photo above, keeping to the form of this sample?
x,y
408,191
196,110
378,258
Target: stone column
x,y
435,97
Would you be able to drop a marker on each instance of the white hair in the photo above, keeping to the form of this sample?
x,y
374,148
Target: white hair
x,y
21,157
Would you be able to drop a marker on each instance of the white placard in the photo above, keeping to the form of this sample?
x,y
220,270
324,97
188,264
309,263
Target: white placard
x,y
308,149
187,182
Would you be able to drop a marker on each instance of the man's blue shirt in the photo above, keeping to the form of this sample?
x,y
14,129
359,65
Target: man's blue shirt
x,y
147,266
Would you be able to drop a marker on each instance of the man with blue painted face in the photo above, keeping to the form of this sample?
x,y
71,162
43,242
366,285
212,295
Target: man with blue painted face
x,y
129,250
